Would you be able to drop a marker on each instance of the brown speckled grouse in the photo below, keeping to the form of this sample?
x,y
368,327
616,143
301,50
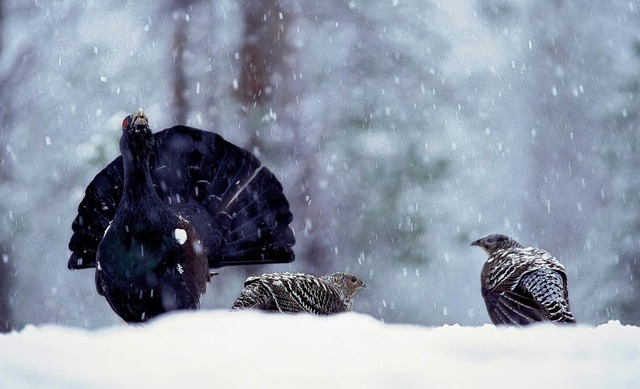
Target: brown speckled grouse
x,y
174,205
294,293
523,285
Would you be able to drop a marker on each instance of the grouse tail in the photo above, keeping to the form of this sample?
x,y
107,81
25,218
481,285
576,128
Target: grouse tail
x,y
240,207
240,195
259,229
95,212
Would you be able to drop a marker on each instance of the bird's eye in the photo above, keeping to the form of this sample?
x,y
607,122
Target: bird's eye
x,y
126,122
354,279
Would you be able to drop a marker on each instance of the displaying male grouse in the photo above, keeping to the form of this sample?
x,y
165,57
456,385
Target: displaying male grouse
x,y
523,285
294,293
174,205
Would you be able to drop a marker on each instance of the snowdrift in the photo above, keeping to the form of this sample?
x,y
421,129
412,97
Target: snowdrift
x,y
253,349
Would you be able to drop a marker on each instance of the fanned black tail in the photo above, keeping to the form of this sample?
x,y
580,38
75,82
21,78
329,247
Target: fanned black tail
x,y
236,205
95,212
259,230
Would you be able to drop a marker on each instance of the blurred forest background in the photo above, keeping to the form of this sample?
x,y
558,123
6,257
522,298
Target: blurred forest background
x,y
401,131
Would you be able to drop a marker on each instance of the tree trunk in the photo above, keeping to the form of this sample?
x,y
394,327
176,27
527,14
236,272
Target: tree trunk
x,y
5,175
178,47
270,86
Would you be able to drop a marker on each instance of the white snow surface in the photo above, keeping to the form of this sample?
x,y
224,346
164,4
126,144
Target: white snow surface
x,y
252,349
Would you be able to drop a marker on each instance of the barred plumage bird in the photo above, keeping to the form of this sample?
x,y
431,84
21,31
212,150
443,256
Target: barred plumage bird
x,y
523,285
294,293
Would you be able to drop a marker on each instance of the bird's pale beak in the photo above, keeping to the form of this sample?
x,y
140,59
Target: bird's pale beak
x,y
140,121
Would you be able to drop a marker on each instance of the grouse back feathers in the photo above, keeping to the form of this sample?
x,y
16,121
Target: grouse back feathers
x,y
523,285
295,293
175,204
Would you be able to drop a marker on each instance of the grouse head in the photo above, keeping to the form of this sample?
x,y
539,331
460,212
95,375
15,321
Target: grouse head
x,y
347,283
494,242
137,140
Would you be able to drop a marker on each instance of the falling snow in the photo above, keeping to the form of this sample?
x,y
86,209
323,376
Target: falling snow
x,y
403,131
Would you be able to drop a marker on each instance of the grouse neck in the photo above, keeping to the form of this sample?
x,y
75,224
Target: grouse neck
x,y
137,178
140,200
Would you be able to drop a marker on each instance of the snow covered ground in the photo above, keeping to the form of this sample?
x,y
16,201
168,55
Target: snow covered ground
x,y
251,349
